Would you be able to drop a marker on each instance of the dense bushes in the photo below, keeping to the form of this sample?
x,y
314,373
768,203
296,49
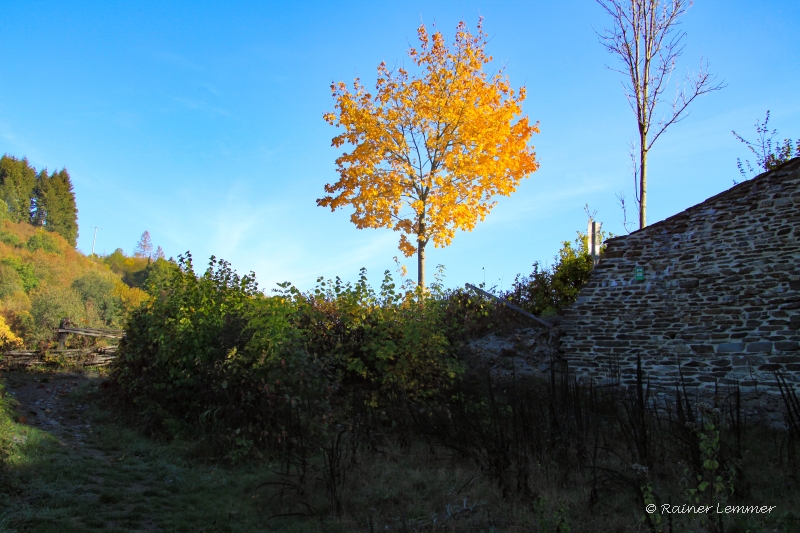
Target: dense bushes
x,y
8,341
193,354
211,353
548,290
214,353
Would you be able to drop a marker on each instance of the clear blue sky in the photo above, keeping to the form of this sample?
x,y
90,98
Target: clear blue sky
x,y
202,122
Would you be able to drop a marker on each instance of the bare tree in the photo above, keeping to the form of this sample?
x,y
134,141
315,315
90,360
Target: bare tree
x,y
144,248
645,40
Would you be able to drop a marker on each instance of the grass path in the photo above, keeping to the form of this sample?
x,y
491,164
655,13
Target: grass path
x,y
70,467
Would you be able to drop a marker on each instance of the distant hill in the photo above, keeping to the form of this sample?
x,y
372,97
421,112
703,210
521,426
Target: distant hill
x,y
44,279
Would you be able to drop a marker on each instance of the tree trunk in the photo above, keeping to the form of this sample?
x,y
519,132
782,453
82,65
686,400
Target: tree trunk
x,y
421,262
643,183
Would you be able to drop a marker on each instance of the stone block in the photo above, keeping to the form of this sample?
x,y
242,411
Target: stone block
x,y
785,359
702,348
787,346
695,364
731,347
759,347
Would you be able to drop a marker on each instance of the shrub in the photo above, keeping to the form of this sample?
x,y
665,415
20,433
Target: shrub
x,y
25,272
548,290
8,341
42,240
275,373
97,290
129,299
48,306
391,342
211,351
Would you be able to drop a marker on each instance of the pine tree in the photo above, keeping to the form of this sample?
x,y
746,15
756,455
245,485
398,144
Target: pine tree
x,y
53,205
38,202
17,181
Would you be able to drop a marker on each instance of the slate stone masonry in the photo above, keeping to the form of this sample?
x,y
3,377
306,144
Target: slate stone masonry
x,y
719,302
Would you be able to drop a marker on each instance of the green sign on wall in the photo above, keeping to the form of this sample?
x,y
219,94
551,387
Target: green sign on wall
x,y
639,273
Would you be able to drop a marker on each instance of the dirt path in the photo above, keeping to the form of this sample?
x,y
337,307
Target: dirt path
x,y
57,404
46,403
74,468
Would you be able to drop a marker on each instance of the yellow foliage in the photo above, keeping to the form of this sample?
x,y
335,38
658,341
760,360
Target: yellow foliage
x,y
130,298
430,151
8,341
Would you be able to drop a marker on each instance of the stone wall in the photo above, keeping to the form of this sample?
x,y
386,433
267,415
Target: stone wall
x,y
719,302
525,352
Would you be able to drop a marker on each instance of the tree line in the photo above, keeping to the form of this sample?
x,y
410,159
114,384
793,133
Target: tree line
x,y
41,199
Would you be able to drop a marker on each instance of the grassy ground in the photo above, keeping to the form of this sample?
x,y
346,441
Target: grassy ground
x,y
106,477
68,464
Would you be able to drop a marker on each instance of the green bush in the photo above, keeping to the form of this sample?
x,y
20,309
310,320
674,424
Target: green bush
x,y
41,240
548,290
273,373
96,289
9,238
48,306
212,352
392,342
25,272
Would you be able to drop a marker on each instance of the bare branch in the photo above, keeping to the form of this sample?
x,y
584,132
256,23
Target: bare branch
x,y
621,202
644,37
634,164
701,84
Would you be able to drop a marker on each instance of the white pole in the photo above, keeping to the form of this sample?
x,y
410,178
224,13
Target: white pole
x,y
95,239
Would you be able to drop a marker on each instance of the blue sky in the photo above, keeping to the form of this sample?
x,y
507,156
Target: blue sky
x,y
202,122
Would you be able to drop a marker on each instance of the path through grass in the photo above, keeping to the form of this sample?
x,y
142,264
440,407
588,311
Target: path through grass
x,y
70,467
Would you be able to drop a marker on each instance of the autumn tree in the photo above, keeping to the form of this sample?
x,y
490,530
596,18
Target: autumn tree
x,y
430,150
644,39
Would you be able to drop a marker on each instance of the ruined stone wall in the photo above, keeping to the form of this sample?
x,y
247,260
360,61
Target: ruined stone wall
x,y
720,296
525,352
